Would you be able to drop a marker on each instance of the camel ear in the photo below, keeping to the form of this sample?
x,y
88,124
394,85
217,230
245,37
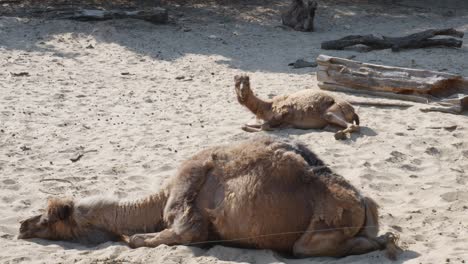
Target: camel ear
x,y
59,210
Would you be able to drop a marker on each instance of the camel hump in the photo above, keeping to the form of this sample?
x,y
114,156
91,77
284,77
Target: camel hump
x,y
292,146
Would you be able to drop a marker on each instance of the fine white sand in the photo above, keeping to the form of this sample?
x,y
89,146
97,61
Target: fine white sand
x,y
146,97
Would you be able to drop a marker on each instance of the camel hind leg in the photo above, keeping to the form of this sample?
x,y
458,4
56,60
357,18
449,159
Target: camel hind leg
x,y
272,124
326,242
335,116
322,240
371,229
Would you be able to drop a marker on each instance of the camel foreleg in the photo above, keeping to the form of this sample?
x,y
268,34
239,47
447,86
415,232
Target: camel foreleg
x,y
166,237
252,128
338,119
188,227
269,125
342,133
258,128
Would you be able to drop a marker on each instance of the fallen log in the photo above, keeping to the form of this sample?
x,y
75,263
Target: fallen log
x,y
154,15
300,15
418,40
444,91
379,104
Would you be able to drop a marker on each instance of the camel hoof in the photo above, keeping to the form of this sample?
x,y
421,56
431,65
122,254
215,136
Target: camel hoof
x,y
136,241
340,135
249,129
125,239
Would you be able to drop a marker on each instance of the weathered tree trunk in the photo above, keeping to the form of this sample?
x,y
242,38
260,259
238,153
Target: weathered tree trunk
x,y
155,15
300,15
447,92
413,41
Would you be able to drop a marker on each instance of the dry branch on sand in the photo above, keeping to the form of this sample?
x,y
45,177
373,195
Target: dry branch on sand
x,y
418,40
446,92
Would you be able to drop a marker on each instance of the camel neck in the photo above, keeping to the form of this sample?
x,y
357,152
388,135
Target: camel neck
x,y
258,106
141,216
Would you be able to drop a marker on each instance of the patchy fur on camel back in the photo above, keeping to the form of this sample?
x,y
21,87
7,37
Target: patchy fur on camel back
x,y
263,193
305,109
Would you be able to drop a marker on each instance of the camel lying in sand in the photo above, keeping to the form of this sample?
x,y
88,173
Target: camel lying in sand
x,y
305,109
264,193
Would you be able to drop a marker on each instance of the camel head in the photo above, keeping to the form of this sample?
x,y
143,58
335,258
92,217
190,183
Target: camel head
x,y
65,220
55,223
242,86
308,17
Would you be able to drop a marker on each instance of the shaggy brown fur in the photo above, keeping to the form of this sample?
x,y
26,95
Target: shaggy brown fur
x,y
300,15
263,193
304,109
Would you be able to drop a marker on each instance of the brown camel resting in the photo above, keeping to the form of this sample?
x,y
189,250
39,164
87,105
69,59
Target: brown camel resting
x,y
264,193
305,109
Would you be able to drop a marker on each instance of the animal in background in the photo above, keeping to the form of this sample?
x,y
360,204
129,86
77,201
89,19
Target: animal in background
x,y
306,109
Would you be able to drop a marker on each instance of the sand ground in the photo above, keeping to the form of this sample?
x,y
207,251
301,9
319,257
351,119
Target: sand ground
x,y
138,98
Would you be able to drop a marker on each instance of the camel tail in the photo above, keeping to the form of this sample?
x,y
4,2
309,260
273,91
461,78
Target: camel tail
x,y
392,250
356,119
371,225
389,241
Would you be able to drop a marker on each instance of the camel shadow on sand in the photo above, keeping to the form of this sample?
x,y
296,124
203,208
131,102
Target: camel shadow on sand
x,y
267,256
243,255
364,132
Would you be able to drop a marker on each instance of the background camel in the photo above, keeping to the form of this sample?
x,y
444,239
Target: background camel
x,y
263,193
300,15
304,109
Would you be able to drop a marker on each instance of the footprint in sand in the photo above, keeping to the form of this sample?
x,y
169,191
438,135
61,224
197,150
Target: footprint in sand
x,y
136,179
165,167
433,151
20,260
10,184
410,168
396,157
465,154
9,181
120,194
454,196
